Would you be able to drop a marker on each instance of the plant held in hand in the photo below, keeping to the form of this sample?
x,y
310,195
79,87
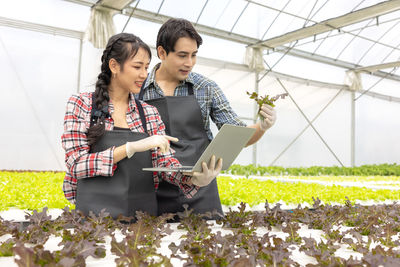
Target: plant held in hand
x,y
266,99
261,100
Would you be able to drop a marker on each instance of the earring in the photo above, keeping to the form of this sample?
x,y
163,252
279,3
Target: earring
x,y
113,75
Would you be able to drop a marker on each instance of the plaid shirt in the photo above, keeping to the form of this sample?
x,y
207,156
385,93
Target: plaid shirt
x,y
212,101
82,164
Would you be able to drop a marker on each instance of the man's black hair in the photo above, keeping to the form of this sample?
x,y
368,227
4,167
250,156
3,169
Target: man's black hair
x,y
174,29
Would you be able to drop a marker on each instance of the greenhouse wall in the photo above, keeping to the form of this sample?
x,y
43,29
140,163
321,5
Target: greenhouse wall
x,y
40,71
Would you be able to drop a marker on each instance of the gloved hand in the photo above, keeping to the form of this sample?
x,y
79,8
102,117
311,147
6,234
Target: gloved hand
x,y
208,174
269,117
159,141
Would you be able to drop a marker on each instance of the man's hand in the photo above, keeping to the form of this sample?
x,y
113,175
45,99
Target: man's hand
x,y
269,115
154,141
209,173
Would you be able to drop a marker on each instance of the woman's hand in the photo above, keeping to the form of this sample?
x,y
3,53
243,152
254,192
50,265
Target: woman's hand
x,y
154,141
209,173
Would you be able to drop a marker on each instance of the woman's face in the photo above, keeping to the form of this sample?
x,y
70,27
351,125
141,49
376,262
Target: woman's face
x,y
134,72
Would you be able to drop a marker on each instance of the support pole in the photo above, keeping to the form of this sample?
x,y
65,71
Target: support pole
x,y
79,66
256,89
352,128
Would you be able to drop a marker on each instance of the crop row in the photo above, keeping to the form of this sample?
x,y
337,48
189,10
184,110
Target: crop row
x,y
371,232
254,191
30,190
364,170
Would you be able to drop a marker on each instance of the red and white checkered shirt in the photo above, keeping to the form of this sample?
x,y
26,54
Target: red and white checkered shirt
x,y
82,164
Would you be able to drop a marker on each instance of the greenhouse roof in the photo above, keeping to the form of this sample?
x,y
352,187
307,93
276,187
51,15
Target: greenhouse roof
x,y
353,34
348,34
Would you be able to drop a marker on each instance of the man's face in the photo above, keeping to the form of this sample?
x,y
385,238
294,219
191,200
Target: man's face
x,y
180,62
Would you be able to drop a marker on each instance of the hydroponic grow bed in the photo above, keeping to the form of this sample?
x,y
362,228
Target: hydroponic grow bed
x,y
321,235
333,232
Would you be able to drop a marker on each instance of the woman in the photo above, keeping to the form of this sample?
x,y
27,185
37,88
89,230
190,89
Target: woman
x,y
109,137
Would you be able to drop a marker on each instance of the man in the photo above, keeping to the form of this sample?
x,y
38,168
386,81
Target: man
x,y
186,101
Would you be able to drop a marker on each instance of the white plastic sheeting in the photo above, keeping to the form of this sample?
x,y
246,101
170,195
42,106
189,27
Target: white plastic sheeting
x,y
40,72
37,78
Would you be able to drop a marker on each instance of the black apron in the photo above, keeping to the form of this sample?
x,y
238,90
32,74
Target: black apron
x,y
130,189
183,119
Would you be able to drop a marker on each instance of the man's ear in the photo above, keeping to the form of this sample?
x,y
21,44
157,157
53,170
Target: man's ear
x,y
161,53
114,66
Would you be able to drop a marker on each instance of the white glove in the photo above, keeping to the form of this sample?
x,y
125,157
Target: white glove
x,y
208,174
154,141
269,117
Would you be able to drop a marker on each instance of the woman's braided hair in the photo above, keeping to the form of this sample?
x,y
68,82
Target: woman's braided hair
x,y
120,47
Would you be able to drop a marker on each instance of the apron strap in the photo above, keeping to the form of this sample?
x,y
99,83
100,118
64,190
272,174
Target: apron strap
x,y
97,113
141,114
190,89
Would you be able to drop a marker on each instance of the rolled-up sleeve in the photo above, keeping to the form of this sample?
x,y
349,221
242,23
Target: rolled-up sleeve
x,y
221,111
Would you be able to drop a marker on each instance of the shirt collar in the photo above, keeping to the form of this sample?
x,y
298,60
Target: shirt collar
x,y
151,78
131,101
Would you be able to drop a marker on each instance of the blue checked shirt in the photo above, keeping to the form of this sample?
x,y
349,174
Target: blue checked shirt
x,y
212,101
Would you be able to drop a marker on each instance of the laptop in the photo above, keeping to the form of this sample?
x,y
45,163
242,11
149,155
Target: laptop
x,y
227,145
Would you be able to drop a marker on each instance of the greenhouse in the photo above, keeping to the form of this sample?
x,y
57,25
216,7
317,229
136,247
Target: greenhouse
x,y
319,188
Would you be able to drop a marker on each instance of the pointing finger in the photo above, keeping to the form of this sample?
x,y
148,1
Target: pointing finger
x,y
170,138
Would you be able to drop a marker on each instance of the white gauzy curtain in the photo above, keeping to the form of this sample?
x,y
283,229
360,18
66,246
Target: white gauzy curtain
x,y
254,59
353,80
101,26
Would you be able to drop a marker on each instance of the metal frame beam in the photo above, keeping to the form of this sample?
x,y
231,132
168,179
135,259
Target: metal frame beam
x,y
18,24
333,23
158,18
310,123
114,4
374,68
316,22
378,41
83,2
330,61
381,96
201,12
149,16
242,67
304,129
23,25
201,60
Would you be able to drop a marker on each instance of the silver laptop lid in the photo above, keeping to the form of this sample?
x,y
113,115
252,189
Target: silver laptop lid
x,y
227,145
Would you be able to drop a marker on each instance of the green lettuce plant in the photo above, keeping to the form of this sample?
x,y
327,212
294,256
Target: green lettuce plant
x,y
261,100
363,170
253,191
238,244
